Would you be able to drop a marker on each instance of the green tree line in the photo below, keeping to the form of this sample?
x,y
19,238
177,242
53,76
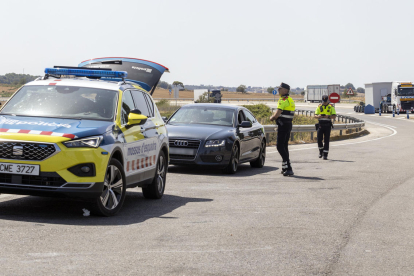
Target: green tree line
x,y
16,79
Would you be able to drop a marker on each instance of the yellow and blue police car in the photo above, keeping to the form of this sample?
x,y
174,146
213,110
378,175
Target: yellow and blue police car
x,y
86,133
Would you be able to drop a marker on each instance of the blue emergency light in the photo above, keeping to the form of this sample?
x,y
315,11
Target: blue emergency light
x,y
87,73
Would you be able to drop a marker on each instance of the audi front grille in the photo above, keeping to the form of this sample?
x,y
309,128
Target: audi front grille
x,y
185,143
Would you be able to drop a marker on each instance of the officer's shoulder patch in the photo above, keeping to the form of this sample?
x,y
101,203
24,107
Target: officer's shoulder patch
x,y
330,104
320,105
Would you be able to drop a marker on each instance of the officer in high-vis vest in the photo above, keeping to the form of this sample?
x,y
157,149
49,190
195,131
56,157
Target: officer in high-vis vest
x,y
284,117
325,112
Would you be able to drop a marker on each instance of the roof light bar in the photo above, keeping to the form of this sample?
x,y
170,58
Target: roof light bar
x,y
86,73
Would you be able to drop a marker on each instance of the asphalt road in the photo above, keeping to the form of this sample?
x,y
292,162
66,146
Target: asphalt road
x,y
350,215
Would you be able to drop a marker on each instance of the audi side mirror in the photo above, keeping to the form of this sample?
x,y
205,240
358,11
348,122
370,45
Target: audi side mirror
x,y
246,124
165,119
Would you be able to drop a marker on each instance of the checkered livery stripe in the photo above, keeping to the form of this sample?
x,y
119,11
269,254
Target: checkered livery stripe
x,y
38,132
140,163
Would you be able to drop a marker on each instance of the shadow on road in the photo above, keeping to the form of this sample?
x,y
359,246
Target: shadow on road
x,y
136,209
308,177
341,161
242,170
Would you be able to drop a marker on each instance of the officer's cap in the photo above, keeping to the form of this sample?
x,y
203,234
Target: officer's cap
x,y
284,85
325,98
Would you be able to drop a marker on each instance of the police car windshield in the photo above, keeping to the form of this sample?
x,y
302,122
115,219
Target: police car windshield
x,y
63,101
405,91
203,115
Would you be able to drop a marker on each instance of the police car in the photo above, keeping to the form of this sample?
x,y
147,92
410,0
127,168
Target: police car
x,y
88,132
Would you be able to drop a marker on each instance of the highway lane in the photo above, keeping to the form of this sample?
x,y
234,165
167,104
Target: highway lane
x,y
351,214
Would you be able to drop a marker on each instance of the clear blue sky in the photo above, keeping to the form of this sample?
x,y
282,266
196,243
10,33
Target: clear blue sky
x,y
257,43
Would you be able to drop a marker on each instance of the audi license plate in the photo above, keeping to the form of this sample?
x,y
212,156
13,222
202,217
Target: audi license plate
x,y
24,169
183,151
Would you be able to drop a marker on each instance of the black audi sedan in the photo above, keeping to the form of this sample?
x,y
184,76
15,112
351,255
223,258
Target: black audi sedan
x,y
216,135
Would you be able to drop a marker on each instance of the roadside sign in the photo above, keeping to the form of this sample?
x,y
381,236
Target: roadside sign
x,y
334,98
176,91
170,92
350,92
274,92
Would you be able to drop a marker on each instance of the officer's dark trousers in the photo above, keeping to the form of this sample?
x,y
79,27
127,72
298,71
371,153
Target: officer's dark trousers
x,y
283,135
324,134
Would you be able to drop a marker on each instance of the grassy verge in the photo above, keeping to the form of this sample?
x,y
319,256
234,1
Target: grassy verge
x,y
165,108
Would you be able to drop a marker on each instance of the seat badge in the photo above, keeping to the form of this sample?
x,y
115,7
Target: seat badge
x,y
17,150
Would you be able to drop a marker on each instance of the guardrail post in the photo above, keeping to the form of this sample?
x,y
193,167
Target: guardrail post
x,y
291,136
312,135
340,132
267,138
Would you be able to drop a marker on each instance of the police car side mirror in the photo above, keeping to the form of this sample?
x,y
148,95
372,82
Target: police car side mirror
x,y
245,124
136,119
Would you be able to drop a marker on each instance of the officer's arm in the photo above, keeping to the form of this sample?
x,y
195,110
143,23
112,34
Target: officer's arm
x,y
317,115
275,115
333,114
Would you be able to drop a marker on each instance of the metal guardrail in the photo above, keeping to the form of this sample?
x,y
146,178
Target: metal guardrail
x,y
350,123
223,100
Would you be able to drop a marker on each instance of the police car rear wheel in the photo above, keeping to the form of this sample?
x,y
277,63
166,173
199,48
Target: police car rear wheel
x,y
156,189
260,161
113,194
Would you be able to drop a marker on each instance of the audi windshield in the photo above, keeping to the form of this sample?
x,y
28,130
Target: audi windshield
x,y
63,102
203,115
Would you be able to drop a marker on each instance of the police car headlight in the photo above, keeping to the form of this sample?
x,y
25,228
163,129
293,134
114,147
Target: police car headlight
x,y
215,143
90,142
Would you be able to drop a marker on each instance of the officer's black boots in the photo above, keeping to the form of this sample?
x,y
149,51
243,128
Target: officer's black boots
x,y
284,167
320,153
325,156
289,171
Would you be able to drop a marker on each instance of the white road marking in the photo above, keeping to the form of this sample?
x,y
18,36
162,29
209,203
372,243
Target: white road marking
x,y
351,143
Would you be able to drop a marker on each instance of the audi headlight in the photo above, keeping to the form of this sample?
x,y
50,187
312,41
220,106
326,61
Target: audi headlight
x,y
90,142
215,143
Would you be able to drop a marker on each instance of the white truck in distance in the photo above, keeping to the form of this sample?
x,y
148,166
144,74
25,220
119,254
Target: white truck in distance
x,y
389,96
314,93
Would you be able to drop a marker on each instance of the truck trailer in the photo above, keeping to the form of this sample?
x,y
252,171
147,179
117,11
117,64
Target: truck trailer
x,y
314,93
390,96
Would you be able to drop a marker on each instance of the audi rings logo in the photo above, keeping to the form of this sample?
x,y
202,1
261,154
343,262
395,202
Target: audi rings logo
x,y
181,143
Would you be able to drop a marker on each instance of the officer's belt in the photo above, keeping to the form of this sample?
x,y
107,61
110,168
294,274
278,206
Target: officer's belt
x,y
286,116
324,119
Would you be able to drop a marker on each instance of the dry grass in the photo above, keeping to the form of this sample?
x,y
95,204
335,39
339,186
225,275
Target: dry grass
x,y
7,90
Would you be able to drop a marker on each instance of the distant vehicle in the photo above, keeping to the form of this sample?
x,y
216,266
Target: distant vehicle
x,y
314,93
216,94
216,135
390,96
198,93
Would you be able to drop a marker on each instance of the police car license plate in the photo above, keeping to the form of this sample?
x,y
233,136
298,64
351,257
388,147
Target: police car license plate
x,y
24,169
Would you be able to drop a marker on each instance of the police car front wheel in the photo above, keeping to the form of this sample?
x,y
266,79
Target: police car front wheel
x,y
113,195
